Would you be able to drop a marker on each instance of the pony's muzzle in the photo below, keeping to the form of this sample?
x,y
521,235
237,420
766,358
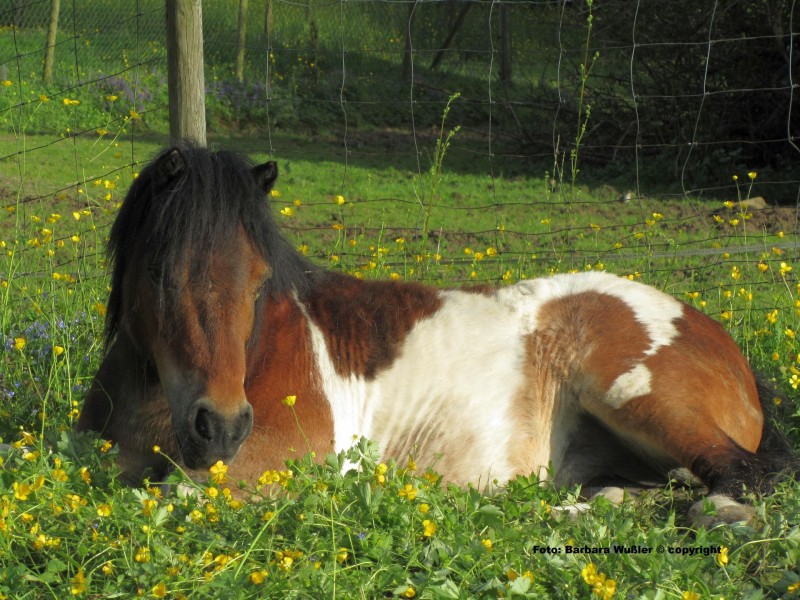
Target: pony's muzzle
x,y
214,435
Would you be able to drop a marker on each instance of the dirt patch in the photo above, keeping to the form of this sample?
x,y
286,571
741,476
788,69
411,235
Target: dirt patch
x,y
772,219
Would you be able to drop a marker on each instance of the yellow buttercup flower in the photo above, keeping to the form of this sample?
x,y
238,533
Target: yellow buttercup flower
x,y
21,490
86,476
218,470
78,583
722,557
148,505
602,586
380,473
258,577
408,491
589,573
289,400
428,528
142,555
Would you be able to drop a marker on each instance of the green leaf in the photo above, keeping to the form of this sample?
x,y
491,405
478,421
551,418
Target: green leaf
x,y
55,565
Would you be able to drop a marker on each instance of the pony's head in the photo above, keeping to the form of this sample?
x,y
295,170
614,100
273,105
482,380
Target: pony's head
x,y
191,251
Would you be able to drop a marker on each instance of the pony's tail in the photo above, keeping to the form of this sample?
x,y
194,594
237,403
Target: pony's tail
x,y
776,457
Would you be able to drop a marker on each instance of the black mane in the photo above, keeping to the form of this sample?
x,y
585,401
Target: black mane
x,y
181,214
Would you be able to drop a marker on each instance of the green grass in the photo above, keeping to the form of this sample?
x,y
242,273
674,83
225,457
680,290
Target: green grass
x,y
69,528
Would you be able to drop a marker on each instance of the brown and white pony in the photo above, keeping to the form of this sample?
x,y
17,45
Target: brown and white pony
x,y
213,320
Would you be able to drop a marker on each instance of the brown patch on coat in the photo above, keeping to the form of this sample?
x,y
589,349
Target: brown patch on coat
x,y
365,322
481,289
581,344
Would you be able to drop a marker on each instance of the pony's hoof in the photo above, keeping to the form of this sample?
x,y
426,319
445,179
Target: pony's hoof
x,y
615,495
571,511
726,512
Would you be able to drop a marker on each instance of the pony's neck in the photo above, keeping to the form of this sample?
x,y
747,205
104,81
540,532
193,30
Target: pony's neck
x,y
282,363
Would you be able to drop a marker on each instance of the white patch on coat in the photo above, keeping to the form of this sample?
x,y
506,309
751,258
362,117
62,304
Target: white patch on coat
x,y
347,396
629,385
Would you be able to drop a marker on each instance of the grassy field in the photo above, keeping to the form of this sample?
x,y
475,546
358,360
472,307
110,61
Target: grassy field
x,y
374,202
69,529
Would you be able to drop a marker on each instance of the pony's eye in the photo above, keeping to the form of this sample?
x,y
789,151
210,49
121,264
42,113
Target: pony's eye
x,y
156,273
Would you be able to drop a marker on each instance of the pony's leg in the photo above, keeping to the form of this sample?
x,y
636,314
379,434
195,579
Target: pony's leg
x,y
125,405
666,434
602,464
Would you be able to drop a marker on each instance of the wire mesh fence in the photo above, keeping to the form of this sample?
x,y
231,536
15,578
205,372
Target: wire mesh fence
x,y
629,120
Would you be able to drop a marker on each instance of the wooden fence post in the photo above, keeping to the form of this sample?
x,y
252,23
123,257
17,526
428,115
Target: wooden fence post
x,y
50,45
241,41
186,80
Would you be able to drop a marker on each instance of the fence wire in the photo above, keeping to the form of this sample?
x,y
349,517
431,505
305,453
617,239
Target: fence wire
x,y
661,100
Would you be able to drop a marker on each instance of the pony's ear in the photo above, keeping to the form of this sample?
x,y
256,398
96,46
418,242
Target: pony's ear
x,y
265,175
169,165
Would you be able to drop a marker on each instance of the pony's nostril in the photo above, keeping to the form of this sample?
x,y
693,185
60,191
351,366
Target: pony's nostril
x,y
206,425
242,426
225,434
